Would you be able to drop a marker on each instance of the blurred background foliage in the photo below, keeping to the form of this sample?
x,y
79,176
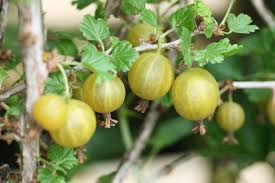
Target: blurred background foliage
x,y
173,134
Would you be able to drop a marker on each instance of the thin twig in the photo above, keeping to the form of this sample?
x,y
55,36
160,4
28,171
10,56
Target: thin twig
x,y
4,4
168,168
110,7
253,84
12,92
140,143
266,14
144,47
31,40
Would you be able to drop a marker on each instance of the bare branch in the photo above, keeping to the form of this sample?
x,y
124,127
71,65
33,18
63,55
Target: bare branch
x,y
253,84
110,7
12,92
31,39
144,47
266,14
167,169
4,4
140,143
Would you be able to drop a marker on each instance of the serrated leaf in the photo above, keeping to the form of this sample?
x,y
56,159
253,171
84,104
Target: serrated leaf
x,y
45,175
240,24
80,4
94,29
132,6
63,157
97,62
148,16
204,11
55,83
66,47
216,52
185,44
15,104
184,17
170,131
123,55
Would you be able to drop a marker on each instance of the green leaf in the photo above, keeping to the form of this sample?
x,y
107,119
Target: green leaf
x,y
99,12
170,131
148,16
257,95
97,62
123,55
12,64
184,17
63,157
216,52
185,44
166,100
3,76
66,47
15,104
55,83
208,20
46,175
80,4
94,29
132,6
240,24
106,178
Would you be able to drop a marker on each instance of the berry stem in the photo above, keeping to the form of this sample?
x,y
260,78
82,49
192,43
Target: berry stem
x,y
227,12
65,79
230,96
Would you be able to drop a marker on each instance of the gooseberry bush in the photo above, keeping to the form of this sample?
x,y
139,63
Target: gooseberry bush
x,y
143,59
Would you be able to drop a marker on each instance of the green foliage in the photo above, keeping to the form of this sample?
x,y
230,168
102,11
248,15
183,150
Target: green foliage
x,y
15,104
216,52
166,100
240,24
55,83
59,161
208,20
149,17
3,75
123,55
94,29
80,4
97,62
132,6
184,17
106,178
170,131
186,41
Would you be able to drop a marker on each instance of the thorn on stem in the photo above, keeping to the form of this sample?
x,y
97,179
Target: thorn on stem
x,y
142,106
200,128
108,121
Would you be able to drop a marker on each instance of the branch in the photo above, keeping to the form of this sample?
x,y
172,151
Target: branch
x,y
266,14
4,4
31,40
12,92
140,143
145,46
253,84
110,7
168,168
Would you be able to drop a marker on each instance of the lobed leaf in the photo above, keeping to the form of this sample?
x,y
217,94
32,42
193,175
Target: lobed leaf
x,y
148,16
240,24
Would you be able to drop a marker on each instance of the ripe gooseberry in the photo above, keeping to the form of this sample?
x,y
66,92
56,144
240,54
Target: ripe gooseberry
x,y
151,76
104,97
50,111
139,33
79,126
230,117
271,111
195,94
